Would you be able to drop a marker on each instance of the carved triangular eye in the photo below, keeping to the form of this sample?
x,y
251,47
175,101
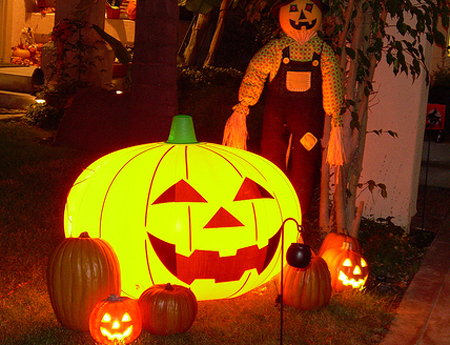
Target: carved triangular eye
x,y
252,190
180,192
106,318
126,317
347,263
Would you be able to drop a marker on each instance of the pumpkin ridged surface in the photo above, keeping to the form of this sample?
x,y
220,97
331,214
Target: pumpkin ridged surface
x,y
307,288
130,189
81,272
117,325
168,309
334,240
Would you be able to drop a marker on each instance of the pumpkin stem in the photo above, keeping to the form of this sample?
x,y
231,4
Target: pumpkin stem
x,y
169,287
113,298
182,130
84,234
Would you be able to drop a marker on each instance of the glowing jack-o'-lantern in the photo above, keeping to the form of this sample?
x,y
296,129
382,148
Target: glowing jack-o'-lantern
x,y
300,15
200,215
348,269
116,320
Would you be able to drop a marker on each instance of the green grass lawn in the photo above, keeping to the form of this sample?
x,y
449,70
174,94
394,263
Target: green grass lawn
x,y
34,181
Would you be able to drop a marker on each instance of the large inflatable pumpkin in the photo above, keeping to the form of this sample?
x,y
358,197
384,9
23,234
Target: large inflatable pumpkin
x,y
201,215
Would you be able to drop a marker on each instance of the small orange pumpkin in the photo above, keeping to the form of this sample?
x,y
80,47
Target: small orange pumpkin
x,y
115,320
335,240
22,53
348,269
168,309
307,288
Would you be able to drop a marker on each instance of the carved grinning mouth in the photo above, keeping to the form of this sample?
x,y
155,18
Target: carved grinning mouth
x,y
206,264
307,25
116,336
351,281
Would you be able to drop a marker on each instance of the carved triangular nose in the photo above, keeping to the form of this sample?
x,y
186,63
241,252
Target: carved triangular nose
x,y
223,219
302,16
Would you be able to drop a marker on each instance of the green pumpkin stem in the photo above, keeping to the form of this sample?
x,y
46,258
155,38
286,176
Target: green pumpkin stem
x,y
182,131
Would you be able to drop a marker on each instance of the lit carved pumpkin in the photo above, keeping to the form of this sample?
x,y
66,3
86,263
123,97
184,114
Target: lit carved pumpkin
x,y
168,309
348,269
200,215
115,320
335,240
307,288
81,271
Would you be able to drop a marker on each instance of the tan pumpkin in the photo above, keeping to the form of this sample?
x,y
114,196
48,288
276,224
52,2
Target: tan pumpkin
x,y
81,272
168,309
335,240
307,288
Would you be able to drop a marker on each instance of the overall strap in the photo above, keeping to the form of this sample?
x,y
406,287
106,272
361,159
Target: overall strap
x,y
286,53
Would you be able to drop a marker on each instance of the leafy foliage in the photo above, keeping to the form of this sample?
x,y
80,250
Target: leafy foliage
x,y
414,22
441,76
392,257
43,116
363,33
194,77
371,185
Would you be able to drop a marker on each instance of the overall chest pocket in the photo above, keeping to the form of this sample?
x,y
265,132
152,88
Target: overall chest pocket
x,y
298,81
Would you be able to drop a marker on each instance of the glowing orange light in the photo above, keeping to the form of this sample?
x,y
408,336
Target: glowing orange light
x,y
115,320
348,269
201,215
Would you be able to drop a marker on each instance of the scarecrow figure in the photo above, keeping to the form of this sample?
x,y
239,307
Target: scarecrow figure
x,y
305,83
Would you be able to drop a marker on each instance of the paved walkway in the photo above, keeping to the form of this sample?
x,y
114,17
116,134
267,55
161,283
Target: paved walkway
x,y
6,114
423,317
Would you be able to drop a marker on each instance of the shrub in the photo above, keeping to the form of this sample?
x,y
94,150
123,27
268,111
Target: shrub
x,y
43,116
392,257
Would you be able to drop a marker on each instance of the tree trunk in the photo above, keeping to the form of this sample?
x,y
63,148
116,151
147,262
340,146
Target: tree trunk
x,y
224,6
154,94
198,35
346,214
359,138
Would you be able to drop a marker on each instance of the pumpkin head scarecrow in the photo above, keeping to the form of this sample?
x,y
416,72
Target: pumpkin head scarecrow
x,y
305,83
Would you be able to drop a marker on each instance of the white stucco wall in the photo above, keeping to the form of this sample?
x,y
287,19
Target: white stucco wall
x,y
398,105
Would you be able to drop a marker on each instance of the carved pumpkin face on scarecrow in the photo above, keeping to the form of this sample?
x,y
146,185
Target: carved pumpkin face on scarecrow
x,y
200,215
299,18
